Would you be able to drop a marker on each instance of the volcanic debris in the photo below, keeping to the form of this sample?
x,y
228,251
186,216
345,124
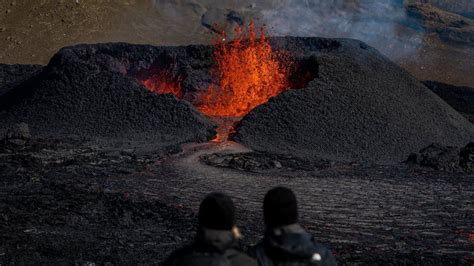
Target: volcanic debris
x,y
443,158
85,91
354,103
460,98
361,106
18,134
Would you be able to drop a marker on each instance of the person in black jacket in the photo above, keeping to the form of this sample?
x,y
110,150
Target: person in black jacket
x,y
285,241
216,238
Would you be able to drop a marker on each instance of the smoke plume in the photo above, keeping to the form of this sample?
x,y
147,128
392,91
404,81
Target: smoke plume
x,y
377,23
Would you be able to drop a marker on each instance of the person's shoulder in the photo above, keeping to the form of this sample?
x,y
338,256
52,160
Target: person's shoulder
x,y
238,258
254,250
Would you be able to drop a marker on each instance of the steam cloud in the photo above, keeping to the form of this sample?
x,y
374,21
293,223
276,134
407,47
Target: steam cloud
x,y
377,23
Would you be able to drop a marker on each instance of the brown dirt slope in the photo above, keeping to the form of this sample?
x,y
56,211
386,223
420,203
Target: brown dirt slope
x,y
32,31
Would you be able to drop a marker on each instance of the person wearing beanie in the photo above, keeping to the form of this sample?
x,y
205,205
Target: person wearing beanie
x,y
216,239
285,241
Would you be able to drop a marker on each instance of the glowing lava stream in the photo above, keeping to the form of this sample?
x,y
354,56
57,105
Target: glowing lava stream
x,y
225,128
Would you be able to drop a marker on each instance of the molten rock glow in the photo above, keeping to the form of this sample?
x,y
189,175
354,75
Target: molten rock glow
x,y
163,83
248,73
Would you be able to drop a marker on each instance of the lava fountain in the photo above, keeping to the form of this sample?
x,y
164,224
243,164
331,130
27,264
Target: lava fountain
x,y
247,73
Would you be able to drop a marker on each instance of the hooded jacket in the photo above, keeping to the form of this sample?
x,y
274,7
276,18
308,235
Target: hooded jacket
x,y
210,248
290,245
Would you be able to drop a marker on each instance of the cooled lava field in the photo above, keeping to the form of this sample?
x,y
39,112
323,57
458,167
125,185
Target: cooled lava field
x,y
107,150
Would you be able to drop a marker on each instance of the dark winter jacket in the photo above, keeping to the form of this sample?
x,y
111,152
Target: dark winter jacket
x,y
290,245
211,248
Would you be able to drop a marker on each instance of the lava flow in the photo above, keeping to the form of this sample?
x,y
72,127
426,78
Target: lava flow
x,y
164,83
248,72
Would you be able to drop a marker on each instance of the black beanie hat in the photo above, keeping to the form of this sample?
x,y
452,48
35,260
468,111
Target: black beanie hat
x,y
280,207
217,211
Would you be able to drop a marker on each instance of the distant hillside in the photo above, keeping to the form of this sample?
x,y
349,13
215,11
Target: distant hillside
x,y
32,31
462,7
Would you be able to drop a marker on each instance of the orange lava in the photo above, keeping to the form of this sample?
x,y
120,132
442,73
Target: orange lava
x,y
225,128
249,73
221,135
163,83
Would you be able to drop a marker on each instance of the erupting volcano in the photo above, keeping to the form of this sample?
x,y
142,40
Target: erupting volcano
x,y
246,72
111,146
249,73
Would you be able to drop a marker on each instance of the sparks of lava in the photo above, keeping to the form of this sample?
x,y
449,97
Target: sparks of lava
x,y
164,83
248,73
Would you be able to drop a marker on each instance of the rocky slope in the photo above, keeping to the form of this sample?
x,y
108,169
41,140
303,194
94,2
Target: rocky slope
x,y
85,92
361,106
31,32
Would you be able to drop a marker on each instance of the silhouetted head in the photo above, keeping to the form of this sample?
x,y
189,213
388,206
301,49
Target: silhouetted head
x,y
280,207
217,212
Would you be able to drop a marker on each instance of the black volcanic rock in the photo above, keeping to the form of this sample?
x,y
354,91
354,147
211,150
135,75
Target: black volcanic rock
x,y
466,157
361,106
12,75
88,90
460,98
438,157
261,162
445,158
